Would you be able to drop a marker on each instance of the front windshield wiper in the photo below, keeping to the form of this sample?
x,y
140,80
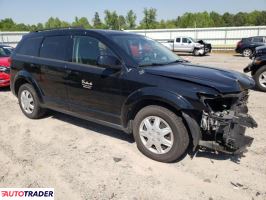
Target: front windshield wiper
x,y
153,64
178,61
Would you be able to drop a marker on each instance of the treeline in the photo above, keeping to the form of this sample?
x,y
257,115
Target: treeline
x,y
112,20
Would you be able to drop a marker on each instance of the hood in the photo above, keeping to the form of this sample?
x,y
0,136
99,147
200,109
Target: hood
x,y
4,61
221,80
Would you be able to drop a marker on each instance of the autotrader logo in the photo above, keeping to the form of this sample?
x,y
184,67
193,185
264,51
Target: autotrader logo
x,y
27,193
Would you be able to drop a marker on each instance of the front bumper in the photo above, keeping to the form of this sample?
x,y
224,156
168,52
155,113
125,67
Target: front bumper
x,y
228,132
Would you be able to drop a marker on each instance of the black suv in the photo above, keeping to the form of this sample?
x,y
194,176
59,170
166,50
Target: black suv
x,y
134,84
258,67
247,46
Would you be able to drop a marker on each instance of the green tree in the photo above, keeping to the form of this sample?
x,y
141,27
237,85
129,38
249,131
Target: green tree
x,y
111,20
97,23
131,19
228,19
217,19
83,22
149,20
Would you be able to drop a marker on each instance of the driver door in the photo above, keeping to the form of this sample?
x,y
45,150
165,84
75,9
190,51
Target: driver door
x,y
94,91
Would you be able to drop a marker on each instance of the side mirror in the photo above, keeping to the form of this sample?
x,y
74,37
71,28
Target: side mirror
x,y
109,61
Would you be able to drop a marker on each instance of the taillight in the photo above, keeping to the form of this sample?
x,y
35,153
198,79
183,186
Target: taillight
x,y
9,61
239,44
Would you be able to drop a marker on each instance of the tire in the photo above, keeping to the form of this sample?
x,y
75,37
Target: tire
x,y
247,52
260,78
30,108
178,134
196,52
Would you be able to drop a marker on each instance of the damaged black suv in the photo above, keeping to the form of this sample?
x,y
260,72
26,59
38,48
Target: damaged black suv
x,y
132,83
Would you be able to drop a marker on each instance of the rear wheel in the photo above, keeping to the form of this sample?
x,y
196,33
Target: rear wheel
x,y
160,134
247,52
260,78
29,102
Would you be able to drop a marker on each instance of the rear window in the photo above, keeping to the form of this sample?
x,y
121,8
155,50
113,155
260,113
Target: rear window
x,y
30,46
55,47
178,40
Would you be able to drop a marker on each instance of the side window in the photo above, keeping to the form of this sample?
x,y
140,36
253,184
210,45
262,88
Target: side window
x,y
184,40
88,49
257,39
30,46
55,47
178,40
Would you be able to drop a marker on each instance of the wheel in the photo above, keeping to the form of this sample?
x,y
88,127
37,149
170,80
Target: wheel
x,y
29,102
260,78
160,134
247,52
196,52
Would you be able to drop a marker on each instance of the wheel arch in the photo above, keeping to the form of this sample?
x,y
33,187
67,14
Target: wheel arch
x,y
24,77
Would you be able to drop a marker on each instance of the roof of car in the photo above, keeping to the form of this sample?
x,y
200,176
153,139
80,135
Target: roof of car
x,y
79,30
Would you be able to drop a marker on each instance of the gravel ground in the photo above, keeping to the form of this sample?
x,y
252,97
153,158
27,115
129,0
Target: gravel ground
x,y
82,160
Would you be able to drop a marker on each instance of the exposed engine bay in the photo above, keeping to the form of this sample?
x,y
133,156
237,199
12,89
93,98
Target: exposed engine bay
x,y
224,123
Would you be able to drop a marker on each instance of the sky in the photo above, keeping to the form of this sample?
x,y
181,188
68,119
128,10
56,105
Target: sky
x,y
34,11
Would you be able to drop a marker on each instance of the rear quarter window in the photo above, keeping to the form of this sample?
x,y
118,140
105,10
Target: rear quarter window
x,y
30,46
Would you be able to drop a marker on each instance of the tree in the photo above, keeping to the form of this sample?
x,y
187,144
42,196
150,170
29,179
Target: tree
x,y
97,23
131,19
149,20
7,25
228,19
122,22
83,22
217,19
111,20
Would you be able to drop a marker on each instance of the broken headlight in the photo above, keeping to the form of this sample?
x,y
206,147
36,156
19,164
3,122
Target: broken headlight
x,y
217,103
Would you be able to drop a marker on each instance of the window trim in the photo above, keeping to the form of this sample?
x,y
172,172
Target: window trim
x,y
100,40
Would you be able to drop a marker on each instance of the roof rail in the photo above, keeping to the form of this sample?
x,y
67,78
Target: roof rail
x,y
60,28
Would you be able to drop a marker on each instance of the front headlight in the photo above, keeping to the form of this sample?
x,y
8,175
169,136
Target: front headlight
x,y
217,103
257,61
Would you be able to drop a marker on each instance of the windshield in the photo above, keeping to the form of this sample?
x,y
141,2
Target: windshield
x,y
145,51
5,51
192,39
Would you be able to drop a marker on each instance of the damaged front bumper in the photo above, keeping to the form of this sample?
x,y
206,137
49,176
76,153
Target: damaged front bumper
x,y
225,130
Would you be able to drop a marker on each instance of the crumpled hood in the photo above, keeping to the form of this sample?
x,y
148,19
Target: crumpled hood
x,y
221,80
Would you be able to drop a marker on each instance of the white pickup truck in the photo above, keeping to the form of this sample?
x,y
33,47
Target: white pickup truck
x,y
188,44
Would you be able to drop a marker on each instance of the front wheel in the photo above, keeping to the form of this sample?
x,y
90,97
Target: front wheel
x,y
260,78
160,134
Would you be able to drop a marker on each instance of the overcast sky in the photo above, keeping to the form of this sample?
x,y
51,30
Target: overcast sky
x,y
34,11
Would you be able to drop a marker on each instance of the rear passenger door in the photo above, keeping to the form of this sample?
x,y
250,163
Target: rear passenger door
x,y
52,79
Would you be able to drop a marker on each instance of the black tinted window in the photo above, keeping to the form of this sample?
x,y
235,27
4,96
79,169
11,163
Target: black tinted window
x,y
55,47
30,46
184,40
258,39
87,50
5,51
178,40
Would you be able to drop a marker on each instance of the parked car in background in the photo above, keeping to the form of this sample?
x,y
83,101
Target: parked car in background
x,y
5,53
189,45
247,46
135,84
258,67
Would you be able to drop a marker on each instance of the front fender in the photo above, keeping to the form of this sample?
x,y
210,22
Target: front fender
x,y
25,77
153,94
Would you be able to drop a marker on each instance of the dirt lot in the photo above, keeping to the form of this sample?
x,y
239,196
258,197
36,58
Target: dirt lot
x,y
82,160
